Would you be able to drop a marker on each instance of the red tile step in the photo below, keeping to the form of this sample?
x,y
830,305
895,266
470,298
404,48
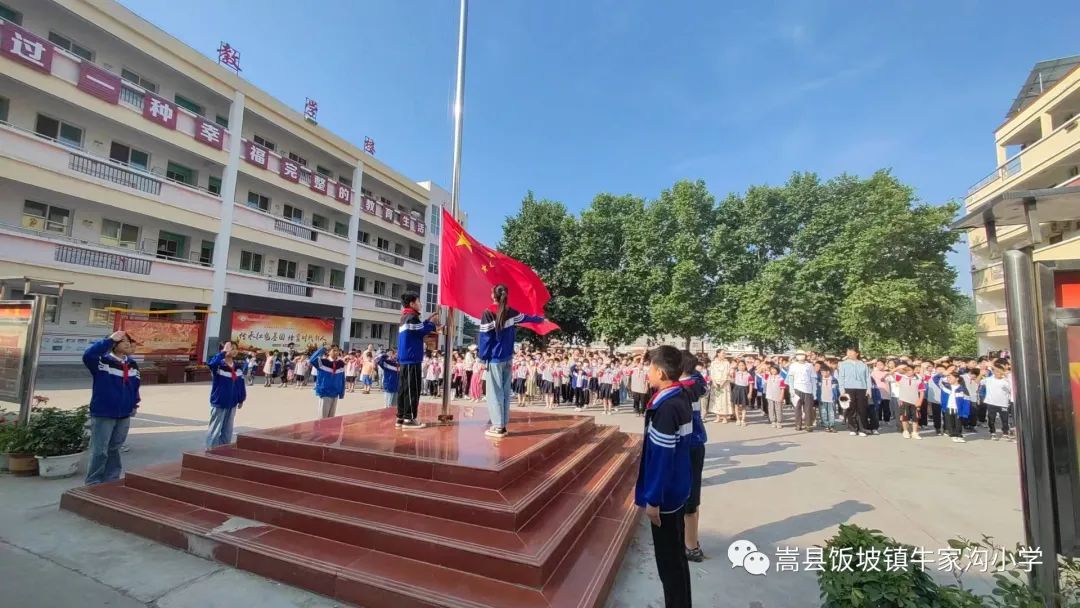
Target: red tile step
x,y
414,456
368,577
506,509
527,556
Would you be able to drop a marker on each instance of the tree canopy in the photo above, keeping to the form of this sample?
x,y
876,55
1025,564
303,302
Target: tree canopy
x,y
808,263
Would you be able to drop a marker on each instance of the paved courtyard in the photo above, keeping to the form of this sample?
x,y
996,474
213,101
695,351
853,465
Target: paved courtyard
x,y
774,487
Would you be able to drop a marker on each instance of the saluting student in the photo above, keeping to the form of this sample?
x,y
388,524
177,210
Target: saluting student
x,y
227,394
330,380
113,400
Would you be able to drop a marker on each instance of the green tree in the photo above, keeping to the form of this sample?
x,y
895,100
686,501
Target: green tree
x,y
681,277
539,235
610,260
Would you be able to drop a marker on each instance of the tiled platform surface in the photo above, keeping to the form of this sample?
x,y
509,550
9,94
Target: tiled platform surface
x,y
443,516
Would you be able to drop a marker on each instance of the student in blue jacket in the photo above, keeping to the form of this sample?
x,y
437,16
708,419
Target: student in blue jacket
x,y
388,363
330,381
956,404
496,352
695,386
228,391
664,474
113,400
410,349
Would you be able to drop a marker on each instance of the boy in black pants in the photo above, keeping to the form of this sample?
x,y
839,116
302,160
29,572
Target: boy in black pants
x,y
664,475
410,357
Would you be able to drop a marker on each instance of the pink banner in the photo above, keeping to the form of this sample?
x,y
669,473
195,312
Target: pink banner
x,y
22,46
256,154
343,194
159,110
100,83
369,205
420,228
318,183
290,170
209,133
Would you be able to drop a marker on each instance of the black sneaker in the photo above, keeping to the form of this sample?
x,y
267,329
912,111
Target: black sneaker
x,y
411,425
695,555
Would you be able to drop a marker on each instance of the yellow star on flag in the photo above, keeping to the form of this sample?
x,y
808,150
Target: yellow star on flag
x,y
463,241
484,267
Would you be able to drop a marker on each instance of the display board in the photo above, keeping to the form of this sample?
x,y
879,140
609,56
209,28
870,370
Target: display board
x,y
15,318
265,332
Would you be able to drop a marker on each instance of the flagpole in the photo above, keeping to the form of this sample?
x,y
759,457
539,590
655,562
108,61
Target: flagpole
x,y
455,192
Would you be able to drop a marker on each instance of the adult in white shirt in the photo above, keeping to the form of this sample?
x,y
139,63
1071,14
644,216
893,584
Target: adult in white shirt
x,y
803,382
720,370
998,396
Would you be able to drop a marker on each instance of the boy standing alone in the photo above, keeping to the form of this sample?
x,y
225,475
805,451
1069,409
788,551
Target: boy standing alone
x,y
410,357
663,484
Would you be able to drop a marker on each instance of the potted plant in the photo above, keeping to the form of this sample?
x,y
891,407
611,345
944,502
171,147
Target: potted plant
x,y
198,373
59,440
19,449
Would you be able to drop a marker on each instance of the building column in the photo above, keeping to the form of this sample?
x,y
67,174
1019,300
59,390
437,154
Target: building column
x,y
350,268
215,319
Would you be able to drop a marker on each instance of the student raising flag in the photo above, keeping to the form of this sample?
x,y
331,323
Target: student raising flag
x,y
468,271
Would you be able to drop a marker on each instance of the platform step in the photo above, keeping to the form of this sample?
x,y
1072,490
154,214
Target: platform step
x,y
438,452
506,509
366,577
526,557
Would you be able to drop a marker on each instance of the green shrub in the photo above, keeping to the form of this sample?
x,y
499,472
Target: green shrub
x,y
56,432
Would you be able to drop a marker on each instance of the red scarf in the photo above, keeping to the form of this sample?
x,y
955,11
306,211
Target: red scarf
x,y
659,396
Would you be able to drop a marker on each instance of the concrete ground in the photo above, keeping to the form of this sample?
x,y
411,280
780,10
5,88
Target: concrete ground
x,y
774,487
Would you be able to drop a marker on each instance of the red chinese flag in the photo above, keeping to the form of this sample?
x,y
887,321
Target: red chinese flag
x,y
468,271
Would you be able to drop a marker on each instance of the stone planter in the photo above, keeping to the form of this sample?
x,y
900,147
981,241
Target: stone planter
x,y
56,467
22,465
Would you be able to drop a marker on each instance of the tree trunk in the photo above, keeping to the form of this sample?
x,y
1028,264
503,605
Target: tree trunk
x,y
688,338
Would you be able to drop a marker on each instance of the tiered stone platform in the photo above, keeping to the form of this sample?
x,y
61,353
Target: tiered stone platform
x,y
444,516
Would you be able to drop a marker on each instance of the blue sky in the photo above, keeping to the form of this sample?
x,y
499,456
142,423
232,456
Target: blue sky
x,y
573,97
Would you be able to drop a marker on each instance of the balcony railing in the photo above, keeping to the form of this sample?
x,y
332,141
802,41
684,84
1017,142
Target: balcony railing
x,y
388,304
1032,156
69,254
132,96
115,174
291,289
295,230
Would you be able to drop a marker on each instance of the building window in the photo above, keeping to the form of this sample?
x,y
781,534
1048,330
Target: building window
x,y
286,269
11,15
321,170
258,201
399,249
182,174
383,244
359,283
356,329
99,315
395,290
222,120
344,181
4,105
46,218
251,262
129,156
65,43
184,102
363,237
63,132
134,78
296,158
433,258
377,331
416,252
320,222
337,278
380,288
262,141
119,234
293,213
206,253
314,274
432,299
213,185
341,229
436,220
171,245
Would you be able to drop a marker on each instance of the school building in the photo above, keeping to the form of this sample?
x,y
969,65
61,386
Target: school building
x,y
1037,146
152,177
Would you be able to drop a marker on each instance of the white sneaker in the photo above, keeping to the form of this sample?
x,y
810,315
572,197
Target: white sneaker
x,y
916,436
853,433
961,440
862,434
907,435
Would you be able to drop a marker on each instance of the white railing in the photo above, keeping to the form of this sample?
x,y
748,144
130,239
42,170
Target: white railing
x,y
147,247
1014,165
